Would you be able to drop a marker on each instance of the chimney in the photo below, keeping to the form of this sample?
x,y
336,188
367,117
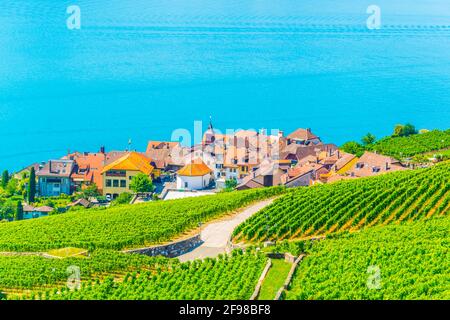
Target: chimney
x,y
49,165
280,133
308,130
102,149
338,154
235,140
387,166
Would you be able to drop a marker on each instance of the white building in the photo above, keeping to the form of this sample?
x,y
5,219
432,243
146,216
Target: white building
x,y
194,176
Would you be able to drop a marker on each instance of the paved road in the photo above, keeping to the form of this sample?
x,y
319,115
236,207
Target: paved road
x,y
216,235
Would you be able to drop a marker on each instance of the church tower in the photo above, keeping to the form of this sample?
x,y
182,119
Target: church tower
x,y
209,134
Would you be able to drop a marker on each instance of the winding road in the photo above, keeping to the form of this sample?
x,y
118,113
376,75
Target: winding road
x,y
215,235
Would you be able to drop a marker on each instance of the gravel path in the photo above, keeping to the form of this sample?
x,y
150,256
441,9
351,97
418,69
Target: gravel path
x,y
216,235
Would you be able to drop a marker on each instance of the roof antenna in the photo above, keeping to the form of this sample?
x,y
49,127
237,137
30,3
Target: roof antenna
x,y
129,144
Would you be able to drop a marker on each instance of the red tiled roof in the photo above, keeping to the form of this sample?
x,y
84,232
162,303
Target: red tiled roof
x,y
302,134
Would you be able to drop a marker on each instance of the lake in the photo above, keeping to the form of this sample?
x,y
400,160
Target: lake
x,y
138,69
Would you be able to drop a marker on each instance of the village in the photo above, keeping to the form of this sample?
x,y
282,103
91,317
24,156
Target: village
x,y
167,170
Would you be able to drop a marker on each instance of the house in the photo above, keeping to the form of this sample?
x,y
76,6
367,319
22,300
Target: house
x,y
370,164
81,203
30,212
237,153
54,178
304,175
194,176
118,174
268,174
298,152
88,168
25,172
164,154
303,137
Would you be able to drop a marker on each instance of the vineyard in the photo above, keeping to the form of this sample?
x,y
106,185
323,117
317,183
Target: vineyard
x,y
31,271
230,277
408,261
124,226
401,147
352,205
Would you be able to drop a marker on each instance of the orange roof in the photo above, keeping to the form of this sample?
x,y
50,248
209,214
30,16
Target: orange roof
x,y
132,161
195,168
89,167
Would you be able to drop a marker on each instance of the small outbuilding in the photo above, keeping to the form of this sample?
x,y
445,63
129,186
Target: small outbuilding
x,y
194,176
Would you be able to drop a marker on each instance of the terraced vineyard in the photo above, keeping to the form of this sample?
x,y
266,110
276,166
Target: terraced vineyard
x,y
408,261
124,226
409,146
228,277
352,205
31,271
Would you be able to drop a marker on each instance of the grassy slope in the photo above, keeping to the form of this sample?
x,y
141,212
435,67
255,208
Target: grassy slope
x,y
228,277
31,271
274,279
123,226
401,147
413,260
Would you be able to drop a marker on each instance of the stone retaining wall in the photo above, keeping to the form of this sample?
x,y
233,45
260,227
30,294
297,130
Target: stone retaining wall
x,y
289,277
261,279
170,250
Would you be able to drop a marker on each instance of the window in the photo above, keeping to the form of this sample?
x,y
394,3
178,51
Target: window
x,y
130,177
185,184
115,183
108,182
123,183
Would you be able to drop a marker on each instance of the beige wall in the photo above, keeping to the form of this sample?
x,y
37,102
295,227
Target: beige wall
x,y
118,190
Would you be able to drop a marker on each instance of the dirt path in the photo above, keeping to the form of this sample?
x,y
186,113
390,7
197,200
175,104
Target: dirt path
x,y
216,235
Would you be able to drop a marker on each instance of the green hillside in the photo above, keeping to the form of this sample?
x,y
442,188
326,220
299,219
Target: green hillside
x,y
231,277
18,272
124,226
352,205
401,147
408,261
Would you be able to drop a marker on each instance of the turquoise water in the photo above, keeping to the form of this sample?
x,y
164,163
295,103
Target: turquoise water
x,y
139,69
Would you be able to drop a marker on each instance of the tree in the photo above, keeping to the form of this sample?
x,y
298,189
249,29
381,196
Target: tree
x,y
7,210
230,184
12,186
123,198
5,179
19,211
368,139
31,186
404,130
398,130
409,129
88,192
141,183
353,147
